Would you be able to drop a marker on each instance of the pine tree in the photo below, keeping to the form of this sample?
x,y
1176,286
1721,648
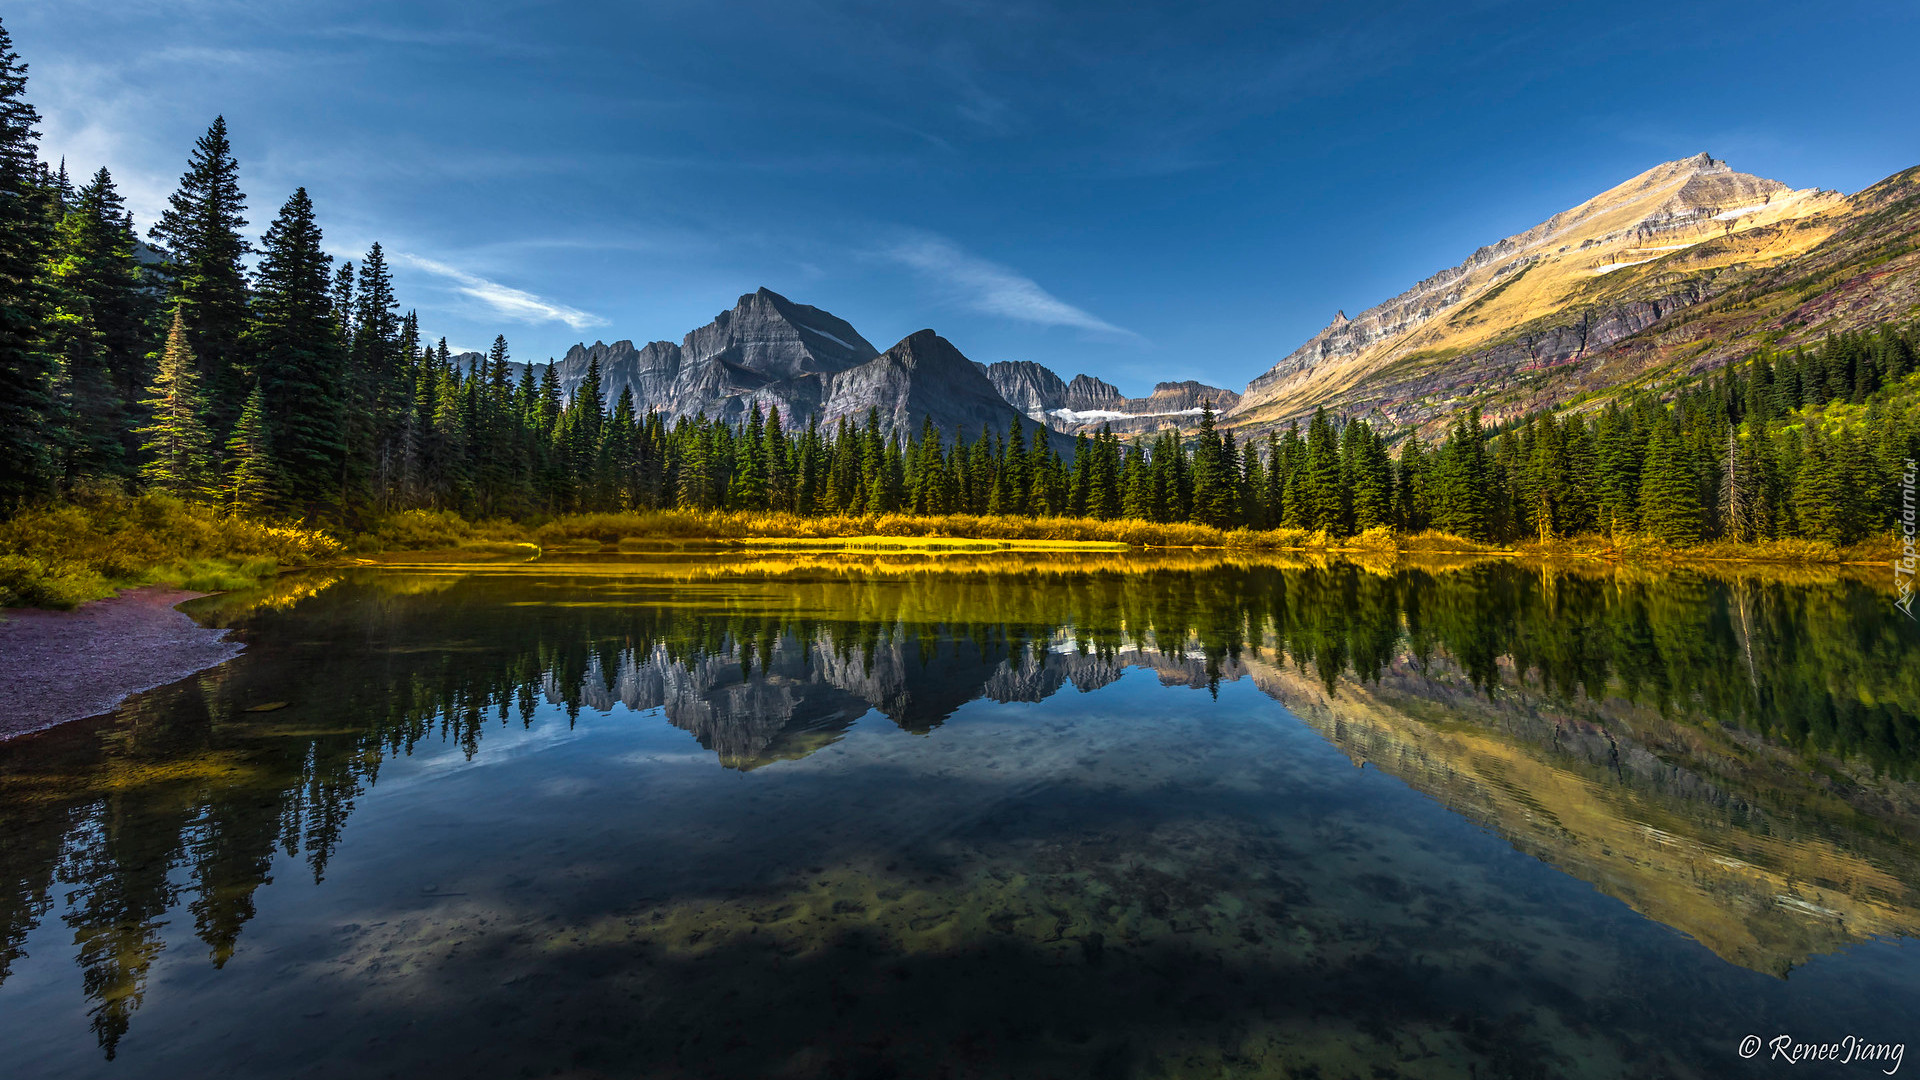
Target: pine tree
x,y
1106,497
1012,482
1215,498
1372,482
1830,489
377,385
619,456
25,224
1273,495
780,488
1324,502
448,477
1669,488
250,471
1082,475
1296,504
300,363
1413,505
1620,451
99,332
872,495
1136,485
176,442
749,488
1577,486
342,297
1459,481
201,231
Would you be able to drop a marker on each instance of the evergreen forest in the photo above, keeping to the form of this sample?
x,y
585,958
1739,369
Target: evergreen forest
x,y
261,379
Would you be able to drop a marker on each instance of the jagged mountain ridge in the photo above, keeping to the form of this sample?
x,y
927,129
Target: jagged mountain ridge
x,y
808,363
1086,404
1675,271
766,349
1632,284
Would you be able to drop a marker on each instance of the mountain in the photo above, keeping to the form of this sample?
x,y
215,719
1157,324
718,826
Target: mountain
x,y
807,362
1675,271
766,349
1087,403
923,376
1036,391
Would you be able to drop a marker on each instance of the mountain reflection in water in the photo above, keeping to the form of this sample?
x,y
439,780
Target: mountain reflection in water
x,y
1734,758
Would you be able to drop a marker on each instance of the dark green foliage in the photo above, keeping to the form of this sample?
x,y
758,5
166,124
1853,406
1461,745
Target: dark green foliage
x,y
251,475
1669,486
300,365
1370,478
27,206
200,230
1216,498
319,396
1460,482
176,444
100,334
1321,489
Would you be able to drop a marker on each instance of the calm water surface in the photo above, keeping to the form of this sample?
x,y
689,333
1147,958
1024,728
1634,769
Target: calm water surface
x,y
1114,816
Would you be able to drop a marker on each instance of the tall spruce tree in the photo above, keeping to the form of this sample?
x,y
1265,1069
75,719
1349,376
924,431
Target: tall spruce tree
x,y
1324,494
176,443
251,476
100,333
1669,486
26,213
1459,481
376,381
1216,499
1372,479
749,486
300,362
201,232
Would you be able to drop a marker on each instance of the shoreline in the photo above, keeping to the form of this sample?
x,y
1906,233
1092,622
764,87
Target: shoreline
x,y
62,666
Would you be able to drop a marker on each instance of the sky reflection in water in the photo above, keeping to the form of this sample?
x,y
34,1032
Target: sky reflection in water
x,y
883,817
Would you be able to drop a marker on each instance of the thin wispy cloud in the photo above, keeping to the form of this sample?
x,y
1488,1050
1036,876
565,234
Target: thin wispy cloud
x,y
992,289
516,304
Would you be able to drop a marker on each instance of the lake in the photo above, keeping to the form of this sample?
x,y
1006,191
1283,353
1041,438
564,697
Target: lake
x,y
735,815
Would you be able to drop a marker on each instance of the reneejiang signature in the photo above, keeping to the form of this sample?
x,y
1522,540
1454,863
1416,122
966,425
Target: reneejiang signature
x,y
1847,1051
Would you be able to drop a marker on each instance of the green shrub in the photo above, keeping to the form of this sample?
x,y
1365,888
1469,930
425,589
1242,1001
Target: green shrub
x,y
62,555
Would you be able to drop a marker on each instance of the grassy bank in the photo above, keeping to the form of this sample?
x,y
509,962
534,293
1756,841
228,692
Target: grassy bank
x,y
640,530
896,531
61,556
1649,551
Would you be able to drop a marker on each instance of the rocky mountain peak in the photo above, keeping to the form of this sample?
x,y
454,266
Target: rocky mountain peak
x,y
1654,217
922,377
767,334
1029,387
1087,404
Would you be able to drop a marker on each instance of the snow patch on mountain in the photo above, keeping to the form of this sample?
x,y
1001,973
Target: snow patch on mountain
x,y
1082,416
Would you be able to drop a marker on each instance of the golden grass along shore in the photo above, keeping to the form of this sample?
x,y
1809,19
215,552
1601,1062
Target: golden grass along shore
x,y
62,555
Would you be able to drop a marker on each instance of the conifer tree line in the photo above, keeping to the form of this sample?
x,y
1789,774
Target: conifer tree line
x,y
264,379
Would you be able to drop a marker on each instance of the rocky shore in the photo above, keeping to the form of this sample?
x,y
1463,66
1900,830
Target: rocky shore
x,y
57,666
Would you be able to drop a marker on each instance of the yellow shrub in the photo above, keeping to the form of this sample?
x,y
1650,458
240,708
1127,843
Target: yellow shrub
x,y
65,554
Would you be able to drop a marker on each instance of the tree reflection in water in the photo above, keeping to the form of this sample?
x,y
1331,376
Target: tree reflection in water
x,y
1768,725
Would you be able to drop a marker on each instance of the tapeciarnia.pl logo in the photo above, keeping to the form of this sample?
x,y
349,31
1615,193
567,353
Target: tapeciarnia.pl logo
x,y
1903,566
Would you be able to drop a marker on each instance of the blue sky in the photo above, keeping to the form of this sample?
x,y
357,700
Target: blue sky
x,y
1140,192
